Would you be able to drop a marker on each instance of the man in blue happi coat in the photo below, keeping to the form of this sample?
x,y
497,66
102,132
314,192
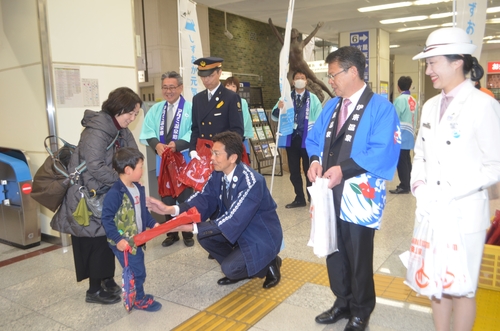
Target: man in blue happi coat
x,y
355,143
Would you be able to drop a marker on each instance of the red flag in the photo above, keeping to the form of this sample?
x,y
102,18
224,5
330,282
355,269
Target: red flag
x,y
190,216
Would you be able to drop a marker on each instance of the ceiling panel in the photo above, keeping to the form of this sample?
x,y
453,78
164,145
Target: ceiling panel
x,y
342,15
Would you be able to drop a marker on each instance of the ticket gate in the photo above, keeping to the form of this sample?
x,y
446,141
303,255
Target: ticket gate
x,y
19,223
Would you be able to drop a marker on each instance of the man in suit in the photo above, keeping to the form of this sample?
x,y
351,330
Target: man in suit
x,y
355,143
168,125
307,108
215,109
246,236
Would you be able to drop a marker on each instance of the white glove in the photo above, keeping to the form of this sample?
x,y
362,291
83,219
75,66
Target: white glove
x,y
194,155
425,201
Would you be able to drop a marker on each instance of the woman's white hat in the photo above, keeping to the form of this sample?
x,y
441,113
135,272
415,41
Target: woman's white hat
x,y
447,41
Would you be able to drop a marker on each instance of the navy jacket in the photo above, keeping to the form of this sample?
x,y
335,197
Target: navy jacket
x,y
251,221
222,113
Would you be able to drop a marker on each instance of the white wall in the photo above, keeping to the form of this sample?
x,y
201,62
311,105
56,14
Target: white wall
x,y
96,37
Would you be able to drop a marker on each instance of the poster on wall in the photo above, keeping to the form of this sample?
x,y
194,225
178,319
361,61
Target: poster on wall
x,y
72,91
67,86
384,89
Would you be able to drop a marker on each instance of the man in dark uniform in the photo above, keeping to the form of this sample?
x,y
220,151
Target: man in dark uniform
x,y
216,109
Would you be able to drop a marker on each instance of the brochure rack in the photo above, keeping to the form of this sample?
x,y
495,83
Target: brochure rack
x,y
264,142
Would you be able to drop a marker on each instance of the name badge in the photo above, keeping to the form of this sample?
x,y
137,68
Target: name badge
x,y
218,114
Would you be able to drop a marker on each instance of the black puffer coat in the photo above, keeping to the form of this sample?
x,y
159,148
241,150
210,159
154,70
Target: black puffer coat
x,y
98,134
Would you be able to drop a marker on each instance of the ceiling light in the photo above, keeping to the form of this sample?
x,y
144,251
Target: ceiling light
x,y
383,7
492,10
417,28
428,2
444,25
442,15
493,21
394,46
496,41
404,19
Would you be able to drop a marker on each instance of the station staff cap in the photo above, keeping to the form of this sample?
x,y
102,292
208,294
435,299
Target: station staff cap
x,y
207,65
446,41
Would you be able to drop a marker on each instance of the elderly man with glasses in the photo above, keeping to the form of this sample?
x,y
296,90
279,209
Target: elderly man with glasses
x,y
168,125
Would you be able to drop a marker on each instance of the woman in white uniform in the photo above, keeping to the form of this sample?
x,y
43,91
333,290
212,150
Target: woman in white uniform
x,y
457,156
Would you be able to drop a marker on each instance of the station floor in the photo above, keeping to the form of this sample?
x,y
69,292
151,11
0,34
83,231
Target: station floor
x,y
38,289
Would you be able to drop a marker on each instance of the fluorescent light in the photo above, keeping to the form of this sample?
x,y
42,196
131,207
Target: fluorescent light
x,y
428,2
404,19
418,28
442,15
444,25
383,7
493,21
492,10
496,41
394,46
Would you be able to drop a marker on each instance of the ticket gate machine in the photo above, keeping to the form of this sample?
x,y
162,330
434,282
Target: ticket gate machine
x,y
19,223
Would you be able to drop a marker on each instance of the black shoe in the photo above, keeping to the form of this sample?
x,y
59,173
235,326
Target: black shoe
x,y
399,190
332,315
227,281
273,276
210,257
356,324
169,241
102,298
188,242
109,286
296,204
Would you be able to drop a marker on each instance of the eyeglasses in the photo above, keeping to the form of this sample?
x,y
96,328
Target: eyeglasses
x,y
332,77
169,88
217,153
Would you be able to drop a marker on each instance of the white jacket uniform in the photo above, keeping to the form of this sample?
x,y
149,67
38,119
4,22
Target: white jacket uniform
x,y
459,156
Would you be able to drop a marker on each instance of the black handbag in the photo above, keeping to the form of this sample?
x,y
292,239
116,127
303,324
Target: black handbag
x,y
53,178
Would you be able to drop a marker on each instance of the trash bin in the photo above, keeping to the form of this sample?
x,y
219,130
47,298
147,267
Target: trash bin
x,y
19,223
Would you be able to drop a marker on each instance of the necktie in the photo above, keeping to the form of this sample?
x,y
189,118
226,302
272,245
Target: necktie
x,y
343,114
209,96
297,101
170,117
445,102
228,183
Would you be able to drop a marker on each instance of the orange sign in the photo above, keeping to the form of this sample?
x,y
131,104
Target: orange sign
x,y
494,66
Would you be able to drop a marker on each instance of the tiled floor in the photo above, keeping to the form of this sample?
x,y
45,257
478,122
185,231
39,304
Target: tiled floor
x,y
41,293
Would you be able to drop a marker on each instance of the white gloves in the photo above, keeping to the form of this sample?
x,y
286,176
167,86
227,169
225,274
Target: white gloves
x,y
425,201
194,155
432,201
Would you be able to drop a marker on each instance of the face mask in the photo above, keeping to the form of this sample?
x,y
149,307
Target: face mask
x,y
299,83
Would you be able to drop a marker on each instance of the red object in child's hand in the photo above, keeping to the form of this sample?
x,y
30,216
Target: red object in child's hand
x,y
188,217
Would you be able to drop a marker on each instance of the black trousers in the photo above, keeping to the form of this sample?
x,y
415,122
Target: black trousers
x,y
350,270
93,258
170,201
230,258
296,154
404,169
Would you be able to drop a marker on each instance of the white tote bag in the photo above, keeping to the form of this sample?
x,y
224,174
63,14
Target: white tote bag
x,y
323,237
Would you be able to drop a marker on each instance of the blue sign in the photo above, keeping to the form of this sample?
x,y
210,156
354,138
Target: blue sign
x,y
361,41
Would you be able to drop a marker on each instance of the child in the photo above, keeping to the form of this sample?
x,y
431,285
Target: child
x,y
124,215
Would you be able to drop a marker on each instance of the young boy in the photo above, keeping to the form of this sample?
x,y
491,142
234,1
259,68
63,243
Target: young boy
x,y
124,215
